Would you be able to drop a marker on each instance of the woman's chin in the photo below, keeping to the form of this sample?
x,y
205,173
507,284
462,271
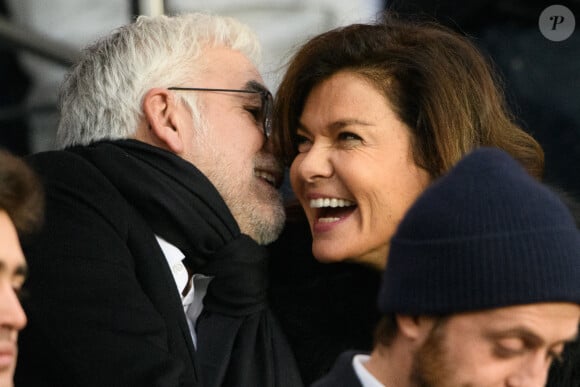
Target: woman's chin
x,y
322,258
374,260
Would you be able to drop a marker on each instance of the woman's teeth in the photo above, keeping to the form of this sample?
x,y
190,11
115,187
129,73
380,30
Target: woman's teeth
x,y
330,202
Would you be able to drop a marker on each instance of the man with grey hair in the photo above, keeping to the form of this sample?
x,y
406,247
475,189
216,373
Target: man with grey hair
x,y
151,269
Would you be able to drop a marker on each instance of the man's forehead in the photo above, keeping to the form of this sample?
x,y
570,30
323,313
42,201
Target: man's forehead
x,y
539,318
230,67
532,309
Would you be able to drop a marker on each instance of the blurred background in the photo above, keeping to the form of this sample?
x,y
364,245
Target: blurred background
x,y
42,37
539,61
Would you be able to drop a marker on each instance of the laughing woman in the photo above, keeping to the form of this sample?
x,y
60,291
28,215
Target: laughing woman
x,y
366,117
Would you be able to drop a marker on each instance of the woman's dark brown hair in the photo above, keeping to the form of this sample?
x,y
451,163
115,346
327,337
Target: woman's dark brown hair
x,y
436,81
21,194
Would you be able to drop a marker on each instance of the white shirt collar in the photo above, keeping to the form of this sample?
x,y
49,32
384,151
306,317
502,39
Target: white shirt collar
x,y
174,258
365,377
193,300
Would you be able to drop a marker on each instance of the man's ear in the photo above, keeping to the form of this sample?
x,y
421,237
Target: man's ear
x,y
414,328
162,112
408,326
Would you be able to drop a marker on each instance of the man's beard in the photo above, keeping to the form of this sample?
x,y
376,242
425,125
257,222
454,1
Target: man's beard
x,y
431,367
260,218
260,213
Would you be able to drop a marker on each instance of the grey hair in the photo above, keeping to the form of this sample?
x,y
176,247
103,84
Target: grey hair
x,y
101,96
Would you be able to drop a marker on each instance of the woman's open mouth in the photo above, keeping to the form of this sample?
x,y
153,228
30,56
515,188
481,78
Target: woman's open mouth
x,y
328,210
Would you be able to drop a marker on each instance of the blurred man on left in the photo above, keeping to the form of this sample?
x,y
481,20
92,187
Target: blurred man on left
x,y
20,211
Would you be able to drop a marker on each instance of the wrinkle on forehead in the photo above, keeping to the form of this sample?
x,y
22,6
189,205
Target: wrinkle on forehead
x,y
227,68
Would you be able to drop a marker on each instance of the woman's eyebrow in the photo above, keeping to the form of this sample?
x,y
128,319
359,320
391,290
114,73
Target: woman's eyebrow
x,y
336,125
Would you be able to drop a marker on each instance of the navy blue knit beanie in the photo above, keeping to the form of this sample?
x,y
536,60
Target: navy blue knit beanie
x,y
486,235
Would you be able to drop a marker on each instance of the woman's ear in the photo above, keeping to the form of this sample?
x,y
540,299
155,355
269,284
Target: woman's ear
x,y
162,113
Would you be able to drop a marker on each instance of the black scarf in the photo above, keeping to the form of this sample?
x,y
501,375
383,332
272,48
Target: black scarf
x,y
239,341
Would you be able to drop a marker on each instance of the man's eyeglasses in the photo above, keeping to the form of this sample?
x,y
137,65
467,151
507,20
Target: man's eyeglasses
x,y
264,114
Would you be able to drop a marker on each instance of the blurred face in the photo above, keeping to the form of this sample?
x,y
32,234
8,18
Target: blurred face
x,y
12,318
512,346
354,173
232,150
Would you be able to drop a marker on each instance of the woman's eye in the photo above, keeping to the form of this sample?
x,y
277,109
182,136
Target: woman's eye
x,y
348,136
302,143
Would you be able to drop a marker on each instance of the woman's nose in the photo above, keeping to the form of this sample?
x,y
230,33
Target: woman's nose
x,y
314,164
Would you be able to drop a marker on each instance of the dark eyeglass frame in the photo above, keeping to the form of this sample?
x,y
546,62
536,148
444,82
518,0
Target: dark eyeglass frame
x,y
266,98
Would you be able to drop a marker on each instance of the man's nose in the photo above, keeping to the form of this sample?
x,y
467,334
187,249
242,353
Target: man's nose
x,y
533,372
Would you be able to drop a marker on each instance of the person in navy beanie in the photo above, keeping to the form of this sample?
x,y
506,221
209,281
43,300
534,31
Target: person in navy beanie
x,y
481,287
